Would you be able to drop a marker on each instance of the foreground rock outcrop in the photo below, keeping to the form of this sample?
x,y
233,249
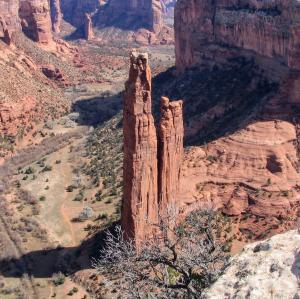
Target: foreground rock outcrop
x,y
215,30
269,269
152,165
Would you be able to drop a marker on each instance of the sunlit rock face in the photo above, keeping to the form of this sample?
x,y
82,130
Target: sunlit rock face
x,y
266,269
35,20
152,157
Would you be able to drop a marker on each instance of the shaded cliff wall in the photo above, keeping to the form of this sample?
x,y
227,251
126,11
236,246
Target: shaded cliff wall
x,y
207,30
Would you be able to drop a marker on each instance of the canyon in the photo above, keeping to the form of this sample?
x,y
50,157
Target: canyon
x,y
72,167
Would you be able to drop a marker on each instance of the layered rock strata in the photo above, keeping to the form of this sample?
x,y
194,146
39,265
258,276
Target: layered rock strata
x,y
35,20
132,14
152,165
211,30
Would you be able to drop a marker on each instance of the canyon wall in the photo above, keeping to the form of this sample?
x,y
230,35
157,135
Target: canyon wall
x,y
152,165
132,14
9,13
33,16
74,10
36,20
208,30
56,15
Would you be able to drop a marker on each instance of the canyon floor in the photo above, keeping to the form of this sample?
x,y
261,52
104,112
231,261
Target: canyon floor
x,y
63,186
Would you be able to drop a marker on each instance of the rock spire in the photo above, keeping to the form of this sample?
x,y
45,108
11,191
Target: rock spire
x,y
140,151
170,152
88,27
151,164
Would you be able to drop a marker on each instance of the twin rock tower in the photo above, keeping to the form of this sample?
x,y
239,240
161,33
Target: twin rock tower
x,y
152,156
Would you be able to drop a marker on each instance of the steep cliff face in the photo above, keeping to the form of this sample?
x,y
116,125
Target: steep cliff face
x,y
130,14
210,30
74,10
56,15
170,152
140,151
35,20
152,165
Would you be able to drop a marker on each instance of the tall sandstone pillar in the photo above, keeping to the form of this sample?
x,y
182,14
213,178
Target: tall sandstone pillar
x,y
140,203
170,153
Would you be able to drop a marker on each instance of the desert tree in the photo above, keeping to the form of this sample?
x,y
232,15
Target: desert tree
x,y
180,261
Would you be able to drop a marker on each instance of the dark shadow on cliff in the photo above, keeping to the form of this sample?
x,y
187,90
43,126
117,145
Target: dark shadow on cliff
x,y
217,101
96,111
296,266
44,263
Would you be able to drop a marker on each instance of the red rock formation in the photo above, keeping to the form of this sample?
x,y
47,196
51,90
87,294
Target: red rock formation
x,y
53,73
170,153
36,21
88,27
212,30
9,10
140,152
56,15
151,184
5,31
132,14
74,10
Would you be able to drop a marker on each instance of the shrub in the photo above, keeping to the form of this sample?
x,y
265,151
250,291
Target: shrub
x,y
58,279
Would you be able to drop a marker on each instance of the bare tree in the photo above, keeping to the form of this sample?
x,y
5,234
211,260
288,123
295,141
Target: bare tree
x,y
180,261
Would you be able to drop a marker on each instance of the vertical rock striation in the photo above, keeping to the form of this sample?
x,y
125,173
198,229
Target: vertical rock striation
x,y
151,167
207,30
170,153
140,152
134,14
88,27
56,15
36,21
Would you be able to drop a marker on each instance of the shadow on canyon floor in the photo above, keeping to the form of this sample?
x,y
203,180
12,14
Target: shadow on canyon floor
x,y
44,263
96,111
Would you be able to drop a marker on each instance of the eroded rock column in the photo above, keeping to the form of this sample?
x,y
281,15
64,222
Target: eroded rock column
x,y
88,27
140,203
170,155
